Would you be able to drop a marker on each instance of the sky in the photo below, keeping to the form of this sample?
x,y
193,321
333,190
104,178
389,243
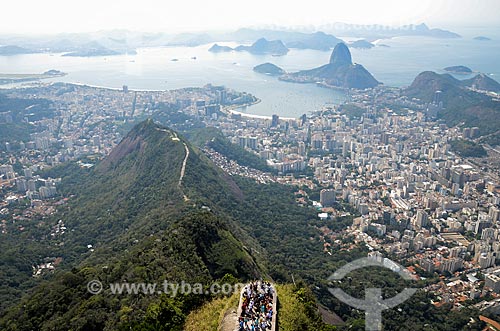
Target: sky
x,y
55,16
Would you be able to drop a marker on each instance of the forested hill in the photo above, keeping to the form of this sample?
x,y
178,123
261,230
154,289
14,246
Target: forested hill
x,y
213,138
138,215
461,104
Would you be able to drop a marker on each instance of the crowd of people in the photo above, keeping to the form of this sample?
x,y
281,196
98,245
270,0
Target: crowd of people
x,y
257,307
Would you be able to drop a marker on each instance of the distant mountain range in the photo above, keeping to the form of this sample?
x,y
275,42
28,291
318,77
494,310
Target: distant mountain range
x,y
96,49
376,31
318,40
325,36
264,46
260,47
89,49
339,72
14,50
123,41
292,39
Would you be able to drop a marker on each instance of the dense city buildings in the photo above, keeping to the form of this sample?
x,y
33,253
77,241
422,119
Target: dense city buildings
x,y
413,199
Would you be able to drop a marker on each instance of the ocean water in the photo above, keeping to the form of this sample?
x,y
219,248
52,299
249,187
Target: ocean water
x,y
153,68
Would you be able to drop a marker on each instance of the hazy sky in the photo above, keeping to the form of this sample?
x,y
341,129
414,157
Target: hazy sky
x,y
48,16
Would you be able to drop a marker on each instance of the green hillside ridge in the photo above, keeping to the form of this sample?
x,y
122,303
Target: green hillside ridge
x,y
212,315
483,82
215,139
461,105
131,209
296,311
192,248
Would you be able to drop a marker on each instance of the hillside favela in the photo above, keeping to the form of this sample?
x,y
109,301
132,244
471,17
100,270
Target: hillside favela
x,y
250,166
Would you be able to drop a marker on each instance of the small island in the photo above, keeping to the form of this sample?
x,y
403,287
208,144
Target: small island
x,y
219,49
361,44
458,70
269,69
54,73
482,38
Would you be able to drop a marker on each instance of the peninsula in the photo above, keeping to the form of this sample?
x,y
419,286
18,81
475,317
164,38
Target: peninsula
x,y
458,69
19,78
340,72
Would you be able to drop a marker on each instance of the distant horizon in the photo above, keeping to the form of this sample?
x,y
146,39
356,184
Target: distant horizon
x,y
29,17
457,28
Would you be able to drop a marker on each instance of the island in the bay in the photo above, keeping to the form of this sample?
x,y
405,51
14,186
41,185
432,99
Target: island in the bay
x,y
482,38
458,69
361,44
340,72
269,69
219,49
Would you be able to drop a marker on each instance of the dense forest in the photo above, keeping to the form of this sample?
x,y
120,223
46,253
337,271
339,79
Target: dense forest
x,y
18,113
467,148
